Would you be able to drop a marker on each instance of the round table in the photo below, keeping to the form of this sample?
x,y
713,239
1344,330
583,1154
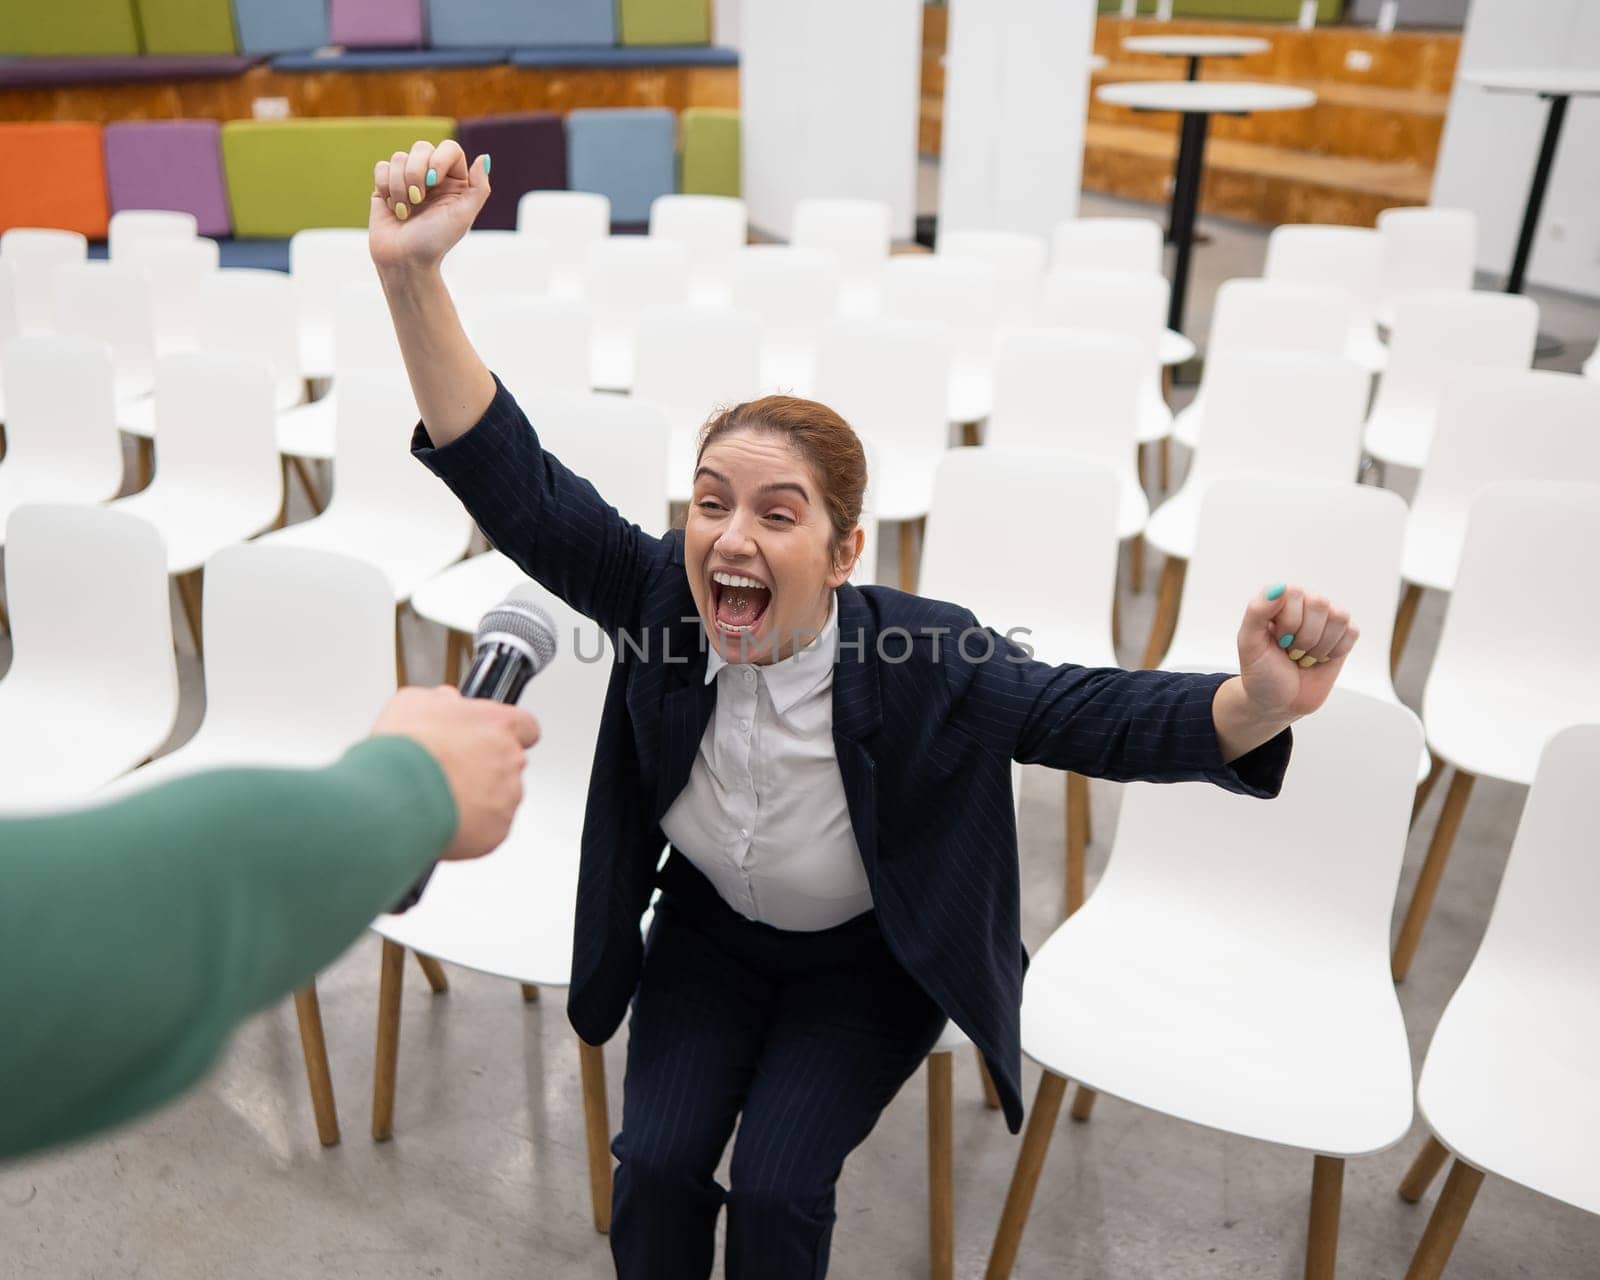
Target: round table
x,y
1197,101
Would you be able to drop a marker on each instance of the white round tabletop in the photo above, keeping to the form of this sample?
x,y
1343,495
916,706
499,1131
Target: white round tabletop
x,y
1556,80
1200,96
1197,46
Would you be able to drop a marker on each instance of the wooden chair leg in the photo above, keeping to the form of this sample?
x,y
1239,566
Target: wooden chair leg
x,y
309,1013
1166,619
597,1130
1025,1179
309,484
969,435
1164,464
1425,787
1322,1238
1410,598
434,972
941,1169
189,596
530,993
145,461
5,620
991,1095
1138,465
1449,1216
400,674
1083,1104
1136,563
386,1059
909,531
1077,839
455,644
1116,621
1424,1169
1444,835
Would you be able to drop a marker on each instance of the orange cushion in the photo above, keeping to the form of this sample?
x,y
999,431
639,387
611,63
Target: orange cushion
x,y
62,185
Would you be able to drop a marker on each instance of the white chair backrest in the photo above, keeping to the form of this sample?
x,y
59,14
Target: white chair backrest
x,y
494,264
131,227
1271,315
794,292
624,274
322,260
535,344
1067,391
711,229
33,254
957,298
61,413
87,592
174,269
1106,244
216,420
1099,301
248,312
1018,262
1048,532
695,359
856,232
1327,895
617,443
112,305
567,221
10,315
1426,248
1347,540
1348,258
363,333
865,573
298,640
888,381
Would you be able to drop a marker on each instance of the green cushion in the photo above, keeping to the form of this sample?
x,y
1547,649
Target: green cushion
x,y
287,175
45,27
665,22
710,151
187,26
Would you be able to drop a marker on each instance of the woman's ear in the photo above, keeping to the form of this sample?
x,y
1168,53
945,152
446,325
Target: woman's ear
x,y
844,560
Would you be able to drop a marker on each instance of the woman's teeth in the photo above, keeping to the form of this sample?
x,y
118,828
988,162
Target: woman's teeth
x,y
734,580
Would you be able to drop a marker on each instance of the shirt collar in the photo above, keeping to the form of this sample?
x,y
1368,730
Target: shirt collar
x,y
797,675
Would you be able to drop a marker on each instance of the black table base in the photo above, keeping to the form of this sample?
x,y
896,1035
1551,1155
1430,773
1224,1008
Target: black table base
x,y
1185,205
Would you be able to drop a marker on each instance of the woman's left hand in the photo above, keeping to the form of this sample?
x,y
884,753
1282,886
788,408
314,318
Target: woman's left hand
x,y
1283,628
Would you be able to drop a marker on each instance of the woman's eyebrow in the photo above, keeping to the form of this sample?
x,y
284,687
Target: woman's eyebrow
x,y
710,474
789,485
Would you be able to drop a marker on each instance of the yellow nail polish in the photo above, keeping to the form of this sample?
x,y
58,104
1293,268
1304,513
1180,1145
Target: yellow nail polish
x,y
415,193
1308,661
1296,654
401,211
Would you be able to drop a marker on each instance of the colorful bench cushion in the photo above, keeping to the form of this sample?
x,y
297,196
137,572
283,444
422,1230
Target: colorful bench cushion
x,y
106,69
85,26
530,154
169,164
68,192
286,175
389,59
666,21
187,26
695,55
626,153
281,26
454,23
376,24
710,151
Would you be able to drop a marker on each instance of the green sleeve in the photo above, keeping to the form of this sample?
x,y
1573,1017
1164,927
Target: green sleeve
x,y
134,937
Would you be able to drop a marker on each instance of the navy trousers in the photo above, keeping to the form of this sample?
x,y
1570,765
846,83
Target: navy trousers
x,y
808,1035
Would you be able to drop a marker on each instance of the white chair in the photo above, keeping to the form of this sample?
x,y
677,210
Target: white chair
x,y
711,229
1591,366
857,233
889,382
93,684
865,573
1279,416
1522,1030
61,431
1267,315
1434,335
570,222
1027,510
131,227
1425,248
622,276
537,345
322,260
956,298
110,304
794,293
174,269
10,321
1017,260
219,480
1234,979
1509,673
689,362
619,445
1348,258
494,264
33,254
1127,245
300,665
1493,425
511,914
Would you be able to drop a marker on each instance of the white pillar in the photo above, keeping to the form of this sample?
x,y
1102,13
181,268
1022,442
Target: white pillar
x,y
1016,92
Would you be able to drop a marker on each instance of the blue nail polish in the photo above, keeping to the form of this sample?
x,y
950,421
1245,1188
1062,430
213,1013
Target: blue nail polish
x,y
486,164
433,177
1285,640
1274,591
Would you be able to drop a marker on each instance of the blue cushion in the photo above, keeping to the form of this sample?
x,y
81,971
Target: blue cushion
x,y
661,55
281,26
389,59
626,153
453,23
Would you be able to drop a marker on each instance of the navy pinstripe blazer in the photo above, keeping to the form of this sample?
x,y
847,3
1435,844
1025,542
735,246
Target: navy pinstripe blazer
x,y
924,742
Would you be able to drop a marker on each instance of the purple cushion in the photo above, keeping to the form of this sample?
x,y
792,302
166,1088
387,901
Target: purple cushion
x,y
22,72
530,154
169,164
376,24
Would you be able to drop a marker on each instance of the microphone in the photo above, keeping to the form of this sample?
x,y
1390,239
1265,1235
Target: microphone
x,y
515,642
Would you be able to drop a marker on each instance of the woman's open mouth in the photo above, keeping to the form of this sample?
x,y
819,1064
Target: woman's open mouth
x,y
738,603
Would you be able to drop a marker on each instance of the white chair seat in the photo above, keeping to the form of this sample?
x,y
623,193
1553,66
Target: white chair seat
x,y
263,745
460,596
1174,348
308,430
1133,510
194,525
952,1038
1155,418
137,417
46,483
971,392
788,371
1492,726
1365,348
1171,527
407,558
316,349
611,361
1399,436
858,301
1433,553
1186,424
902,487
57,763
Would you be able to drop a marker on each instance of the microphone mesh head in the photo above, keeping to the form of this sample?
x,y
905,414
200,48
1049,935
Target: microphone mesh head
x,y
518,616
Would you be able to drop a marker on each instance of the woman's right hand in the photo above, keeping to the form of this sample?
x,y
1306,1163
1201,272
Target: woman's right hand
x,y
413,225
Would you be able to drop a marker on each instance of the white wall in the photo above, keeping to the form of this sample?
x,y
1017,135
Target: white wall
x,y
828,97
725,23
1016,93
1491,142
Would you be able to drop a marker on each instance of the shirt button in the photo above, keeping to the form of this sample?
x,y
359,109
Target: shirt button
x,y
744,725
749,677
744,834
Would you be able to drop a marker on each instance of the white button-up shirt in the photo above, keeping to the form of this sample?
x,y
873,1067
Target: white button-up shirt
x,y
763,815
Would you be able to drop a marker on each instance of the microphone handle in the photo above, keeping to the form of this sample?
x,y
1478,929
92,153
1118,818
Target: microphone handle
x,y
499,672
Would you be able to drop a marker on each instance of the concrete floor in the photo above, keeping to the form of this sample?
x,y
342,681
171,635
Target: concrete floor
x,y
487,1176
